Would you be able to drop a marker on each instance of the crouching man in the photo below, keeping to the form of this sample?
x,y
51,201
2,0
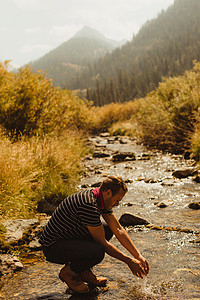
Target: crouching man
x,y
76,238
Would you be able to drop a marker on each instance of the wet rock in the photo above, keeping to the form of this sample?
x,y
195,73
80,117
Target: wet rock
x,y
131,220
104,134
197,179
128,204
187,155
140,178
48,204
185,173
100,154
151,180
168,182
194,205
162,204
9,264
34,244
196,241
128,180
100,146
122,156
124,141
16,228
144,156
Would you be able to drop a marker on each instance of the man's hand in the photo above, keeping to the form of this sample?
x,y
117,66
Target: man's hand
x,y
137,268
144,263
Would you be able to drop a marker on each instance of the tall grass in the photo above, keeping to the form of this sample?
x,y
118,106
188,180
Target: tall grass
x,y
34,168
108,115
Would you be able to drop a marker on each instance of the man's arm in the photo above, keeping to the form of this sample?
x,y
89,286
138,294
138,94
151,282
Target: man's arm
x,y
135,265
123,237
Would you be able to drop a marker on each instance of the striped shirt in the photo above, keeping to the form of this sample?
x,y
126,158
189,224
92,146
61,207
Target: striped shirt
x,y
71,218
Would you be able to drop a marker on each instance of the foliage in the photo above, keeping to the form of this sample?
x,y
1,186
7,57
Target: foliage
x,y
126,128
107,115
30,104
167,117
34,168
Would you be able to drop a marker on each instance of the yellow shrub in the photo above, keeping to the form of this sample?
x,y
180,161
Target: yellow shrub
x,y
31,169
109,114
30,104
166,117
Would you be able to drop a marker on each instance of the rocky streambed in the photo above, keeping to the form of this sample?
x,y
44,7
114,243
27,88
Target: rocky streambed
x,y
164,190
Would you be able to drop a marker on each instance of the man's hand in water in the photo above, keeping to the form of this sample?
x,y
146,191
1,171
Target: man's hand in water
x,y
137,267
144,263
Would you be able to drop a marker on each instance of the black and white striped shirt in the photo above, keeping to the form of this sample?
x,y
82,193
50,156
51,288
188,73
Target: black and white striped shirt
x,y
71,218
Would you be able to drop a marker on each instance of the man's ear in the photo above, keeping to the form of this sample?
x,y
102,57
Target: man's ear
x,y
109,193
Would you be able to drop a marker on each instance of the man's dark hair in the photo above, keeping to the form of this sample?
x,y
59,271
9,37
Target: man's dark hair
x,y
113,183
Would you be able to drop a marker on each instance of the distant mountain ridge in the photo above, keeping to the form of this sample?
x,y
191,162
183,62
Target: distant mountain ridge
x,y
164,46
72,57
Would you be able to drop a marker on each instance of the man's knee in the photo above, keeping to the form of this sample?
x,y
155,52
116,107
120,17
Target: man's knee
x,y
101,253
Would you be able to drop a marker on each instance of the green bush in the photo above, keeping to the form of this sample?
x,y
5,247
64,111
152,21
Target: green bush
x,y
30,104
166,118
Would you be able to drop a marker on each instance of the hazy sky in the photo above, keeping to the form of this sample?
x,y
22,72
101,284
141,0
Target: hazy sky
x,y
31,28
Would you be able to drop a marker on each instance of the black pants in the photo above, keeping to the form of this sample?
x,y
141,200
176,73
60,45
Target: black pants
x,y
81,254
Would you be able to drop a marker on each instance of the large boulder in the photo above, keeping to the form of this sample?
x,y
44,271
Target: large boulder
x,y
16,228
185,173
131,220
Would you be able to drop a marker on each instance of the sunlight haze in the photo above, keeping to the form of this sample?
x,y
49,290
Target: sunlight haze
x,y
31,28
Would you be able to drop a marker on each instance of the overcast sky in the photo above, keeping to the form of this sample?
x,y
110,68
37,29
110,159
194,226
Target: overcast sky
x,y
31,28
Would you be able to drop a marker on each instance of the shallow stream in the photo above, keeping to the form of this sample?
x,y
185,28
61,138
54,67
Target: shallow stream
x,y
173,253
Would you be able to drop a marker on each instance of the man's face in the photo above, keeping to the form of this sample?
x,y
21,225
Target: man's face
x,y
110,200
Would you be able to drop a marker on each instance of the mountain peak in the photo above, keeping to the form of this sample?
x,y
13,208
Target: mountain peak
x,y
88,32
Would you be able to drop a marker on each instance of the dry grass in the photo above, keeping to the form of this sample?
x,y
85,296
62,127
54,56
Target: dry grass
x,y
35,167
106,116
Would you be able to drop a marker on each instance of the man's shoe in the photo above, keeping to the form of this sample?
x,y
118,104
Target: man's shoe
x,y
74,282
89,277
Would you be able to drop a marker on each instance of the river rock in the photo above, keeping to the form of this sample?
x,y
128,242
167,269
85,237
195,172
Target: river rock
x,y
194,205
9,264
151,180
48,204
100,154
124,140
16,228
131,220
168,182
197,179
34,244
122,156
185,173
162,204
104,134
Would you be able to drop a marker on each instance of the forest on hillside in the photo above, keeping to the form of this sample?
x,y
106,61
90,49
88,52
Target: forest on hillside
x,y
72,57
165,46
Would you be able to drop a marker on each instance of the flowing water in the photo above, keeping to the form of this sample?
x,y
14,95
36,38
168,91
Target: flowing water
x,y
173,252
